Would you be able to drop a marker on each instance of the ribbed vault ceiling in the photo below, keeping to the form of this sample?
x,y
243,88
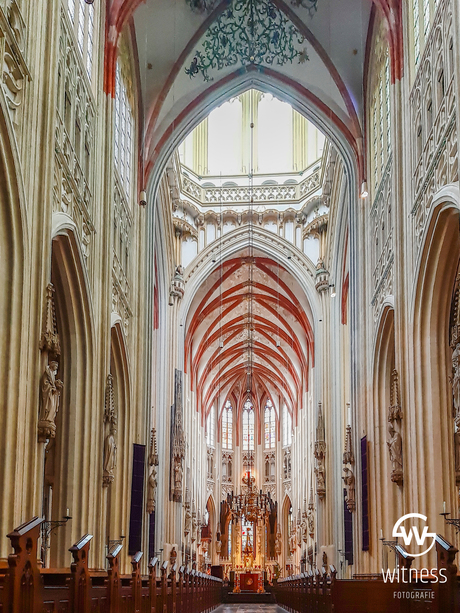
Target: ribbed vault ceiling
x,y
249,332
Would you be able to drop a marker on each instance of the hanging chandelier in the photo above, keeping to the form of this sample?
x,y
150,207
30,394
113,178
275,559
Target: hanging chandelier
x,y
252,505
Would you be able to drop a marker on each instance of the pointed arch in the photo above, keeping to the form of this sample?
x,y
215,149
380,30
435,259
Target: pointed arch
x,y
118,493
77,446
14,359
432,357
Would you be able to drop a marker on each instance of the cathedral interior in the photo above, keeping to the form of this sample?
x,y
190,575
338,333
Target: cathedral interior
x,y
230,322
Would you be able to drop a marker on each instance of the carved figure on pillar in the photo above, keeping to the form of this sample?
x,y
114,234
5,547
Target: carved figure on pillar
x,y
152,480
394,427
349,477
311,516
278,541
49,340
304,525
320,455
395,449
177,288
292,541
50,392
187,520
178,441
110,456
349,480
110,442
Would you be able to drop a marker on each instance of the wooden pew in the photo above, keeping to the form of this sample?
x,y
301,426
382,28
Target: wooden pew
x,y
80,579
24,586
114,580
153,585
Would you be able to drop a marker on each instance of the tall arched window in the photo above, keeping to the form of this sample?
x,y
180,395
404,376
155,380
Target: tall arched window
x,y
422,17
248,426
269,420
227,426
124,131
380,111
287,427
210,428
81,16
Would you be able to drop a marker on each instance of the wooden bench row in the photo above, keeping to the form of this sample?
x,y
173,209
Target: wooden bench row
x,y
322,592
27,588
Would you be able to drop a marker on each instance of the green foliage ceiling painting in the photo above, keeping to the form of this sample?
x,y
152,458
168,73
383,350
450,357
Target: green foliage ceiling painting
x,y
248,32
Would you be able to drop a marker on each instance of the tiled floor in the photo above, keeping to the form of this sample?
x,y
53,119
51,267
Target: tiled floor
x,y
249,608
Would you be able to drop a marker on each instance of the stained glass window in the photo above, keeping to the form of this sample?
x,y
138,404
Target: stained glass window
x,y
81,16
422,18
124,128
227,426
269,425
248,426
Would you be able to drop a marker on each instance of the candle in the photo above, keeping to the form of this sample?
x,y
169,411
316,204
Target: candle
x,y
67,512
348,414
381,534
444,506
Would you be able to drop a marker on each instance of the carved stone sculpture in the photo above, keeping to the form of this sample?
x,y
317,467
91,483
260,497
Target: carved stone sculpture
x,y
152,479
151,490
349,480
50,392
110,441
394,428
311,516
187,520
395,449
177,288
178,442
49,340
349,477
194,523
110,456
173,556
292,541
278,541
299,530
320,455
304,525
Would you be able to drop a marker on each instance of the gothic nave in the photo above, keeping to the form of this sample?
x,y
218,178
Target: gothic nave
x,y
230,322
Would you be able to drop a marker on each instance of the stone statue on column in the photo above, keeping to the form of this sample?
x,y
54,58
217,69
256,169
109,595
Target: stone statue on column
x,y
320,455
349,481
395,450
50,392
278,541
349,462
110,442
394,430
152,479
